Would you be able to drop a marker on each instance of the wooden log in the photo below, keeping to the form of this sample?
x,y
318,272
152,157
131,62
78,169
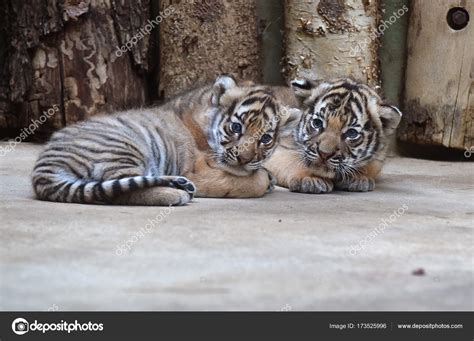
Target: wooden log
x,y
205,38
23,27
438,101
332,38
64,53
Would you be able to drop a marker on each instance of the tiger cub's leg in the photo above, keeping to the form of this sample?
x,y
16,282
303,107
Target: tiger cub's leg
x,y
164,191
310,184
155,196
364,181
359,183
217,183
290,173
303,180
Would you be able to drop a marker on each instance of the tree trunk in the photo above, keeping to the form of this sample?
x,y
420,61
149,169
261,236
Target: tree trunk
x,y
439,90
65,53
332,38
204,38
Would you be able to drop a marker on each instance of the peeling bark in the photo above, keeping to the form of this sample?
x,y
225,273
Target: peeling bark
x,y
203,38
439,91
332,38
63,52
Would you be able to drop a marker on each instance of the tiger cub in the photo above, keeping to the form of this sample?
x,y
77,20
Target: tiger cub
x,y
340,140
211,142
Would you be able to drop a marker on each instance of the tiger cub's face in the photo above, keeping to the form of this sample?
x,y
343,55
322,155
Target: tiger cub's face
x,y
344,124
245,124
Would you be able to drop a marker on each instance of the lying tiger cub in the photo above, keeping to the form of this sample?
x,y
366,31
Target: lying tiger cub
x,y
212,140
340,141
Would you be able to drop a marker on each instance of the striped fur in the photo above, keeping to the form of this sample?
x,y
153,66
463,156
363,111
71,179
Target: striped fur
x,y
340,141
164,155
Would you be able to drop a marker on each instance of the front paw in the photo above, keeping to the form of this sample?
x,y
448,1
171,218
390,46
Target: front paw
x,y
360,184
311,185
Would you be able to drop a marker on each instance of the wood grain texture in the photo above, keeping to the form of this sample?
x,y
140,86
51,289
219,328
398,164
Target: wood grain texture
x,y
438,104
204,38
62,52
331,38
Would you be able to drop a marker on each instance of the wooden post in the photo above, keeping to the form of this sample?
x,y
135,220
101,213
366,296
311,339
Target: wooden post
x,y
271,18
332,38
392,51
66,55
205,38
438,101
392,54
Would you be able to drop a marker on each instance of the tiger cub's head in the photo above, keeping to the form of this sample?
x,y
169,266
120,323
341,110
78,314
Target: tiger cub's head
x,y
344,124
245,123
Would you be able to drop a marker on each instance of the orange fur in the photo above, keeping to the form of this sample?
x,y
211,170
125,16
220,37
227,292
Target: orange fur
x,y
213,181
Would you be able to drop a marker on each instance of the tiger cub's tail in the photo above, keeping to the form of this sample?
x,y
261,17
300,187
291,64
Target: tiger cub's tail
x,y
53,187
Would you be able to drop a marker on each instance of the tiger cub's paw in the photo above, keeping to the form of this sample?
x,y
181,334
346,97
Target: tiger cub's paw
x,y
183,183
314,185
360,184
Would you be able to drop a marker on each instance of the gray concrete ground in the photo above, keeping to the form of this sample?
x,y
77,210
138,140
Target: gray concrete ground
x,y
285,251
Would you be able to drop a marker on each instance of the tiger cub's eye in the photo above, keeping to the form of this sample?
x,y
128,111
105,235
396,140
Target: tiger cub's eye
x,y
317,123
236,127
351,134
266,139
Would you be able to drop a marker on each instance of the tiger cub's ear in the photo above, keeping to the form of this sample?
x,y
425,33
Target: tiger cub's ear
x,y
390,117
290,117
302,87
223,83
306,90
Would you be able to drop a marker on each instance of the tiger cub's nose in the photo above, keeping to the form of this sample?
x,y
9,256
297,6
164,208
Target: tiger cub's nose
x,y
326,156
244,159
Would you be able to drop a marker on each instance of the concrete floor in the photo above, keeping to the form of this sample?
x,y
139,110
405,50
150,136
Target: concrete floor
x,y
283,252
